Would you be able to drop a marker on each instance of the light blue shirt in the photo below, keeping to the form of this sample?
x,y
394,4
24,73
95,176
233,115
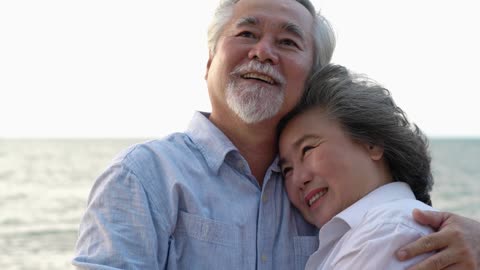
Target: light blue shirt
x,y
189,201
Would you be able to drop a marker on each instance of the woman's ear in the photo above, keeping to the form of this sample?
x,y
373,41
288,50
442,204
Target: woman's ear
x,y
375,151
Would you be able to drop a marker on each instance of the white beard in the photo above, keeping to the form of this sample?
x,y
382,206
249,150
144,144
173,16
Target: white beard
x,y
254,104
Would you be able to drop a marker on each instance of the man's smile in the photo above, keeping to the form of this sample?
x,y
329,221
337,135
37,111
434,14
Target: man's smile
x,y
260,77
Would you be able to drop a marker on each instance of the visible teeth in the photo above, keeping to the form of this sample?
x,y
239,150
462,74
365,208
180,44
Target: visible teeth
x,y
259,77
316,197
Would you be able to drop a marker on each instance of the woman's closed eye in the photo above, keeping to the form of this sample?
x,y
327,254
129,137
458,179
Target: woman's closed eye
x,y
307,148
286,171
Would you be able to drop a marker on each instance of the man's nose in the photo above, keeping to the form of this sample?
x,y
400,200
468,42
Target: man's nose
x,y
264,51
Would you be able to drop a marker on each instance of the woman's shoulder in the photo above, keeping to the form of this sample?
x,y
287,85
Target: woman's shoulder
x,y
397,214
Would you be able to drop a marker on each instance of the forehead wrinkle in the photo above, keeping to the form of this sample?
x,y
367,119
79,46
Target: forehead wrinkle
x,y
249,20
288,26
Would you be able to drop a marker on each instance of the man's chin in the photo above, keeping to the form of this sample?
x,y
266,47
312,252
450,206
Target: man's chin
x,y
254,105
254,116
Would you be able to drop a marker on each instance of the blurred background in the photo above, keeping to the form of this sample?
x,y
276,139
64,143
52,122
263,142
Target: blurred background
x,y
81,80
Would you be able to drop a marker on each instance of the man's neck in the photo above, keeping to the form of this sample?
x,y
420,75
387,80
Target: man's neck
x,y
257,143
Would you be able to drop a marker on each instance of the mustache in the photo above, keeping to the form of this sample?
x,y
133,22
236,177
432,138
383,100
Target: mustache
x,y
257,67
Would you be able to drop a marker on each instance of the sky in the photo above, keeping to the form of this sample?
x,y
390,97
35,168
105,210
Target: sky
x,y
118,69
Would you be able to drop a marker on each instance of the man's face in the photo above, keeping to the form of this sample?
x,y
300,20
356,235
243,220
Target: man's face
x,y
262,60
325,170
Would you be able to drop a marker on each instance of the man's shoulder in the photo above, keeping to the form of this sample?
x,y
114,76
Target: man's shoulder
x,y
174,147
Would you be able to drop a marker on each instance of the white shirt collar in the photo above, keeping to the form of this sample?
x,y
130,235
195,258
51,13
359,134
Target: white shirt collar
x,y
383,194
352,216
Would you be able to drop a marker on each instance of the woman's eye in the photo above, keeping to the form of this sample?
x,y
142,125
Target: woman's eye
x,y
286,170
307,148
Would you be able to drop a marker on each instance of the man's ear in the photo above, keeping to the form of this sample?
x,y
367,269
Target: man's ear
x,y
375,151
209,62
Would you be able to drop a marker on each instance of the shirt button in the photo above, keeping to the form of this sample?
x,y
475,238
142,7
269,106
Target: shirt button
x,y
264,258
264,198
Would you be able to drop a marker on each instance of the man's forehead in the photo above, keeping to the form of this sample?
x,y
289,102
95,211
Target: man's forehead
x,y
287,15
287,9
287,26
304,4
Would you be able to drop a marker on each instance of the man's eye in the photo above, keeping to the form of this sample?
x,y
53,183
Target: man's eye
x,y
246,34
288,42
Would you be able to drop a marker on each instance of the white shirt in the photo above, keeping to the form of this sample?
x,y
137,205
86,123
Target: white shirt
x,y
367,234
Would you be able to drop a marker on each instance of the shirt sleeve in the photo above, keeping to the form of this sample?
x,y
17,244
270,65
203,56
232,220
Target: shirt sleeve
x,y
117,230
374,247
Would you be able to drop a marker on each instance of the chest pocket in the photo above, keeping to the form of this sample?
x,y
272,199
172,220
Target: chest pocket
x,y
304,247
202,243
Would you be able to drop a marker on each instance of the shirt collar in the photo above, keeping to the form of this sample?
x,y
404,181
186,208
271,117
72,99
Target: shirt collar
x,y
210,140
213,144
353,215
275,165
386,193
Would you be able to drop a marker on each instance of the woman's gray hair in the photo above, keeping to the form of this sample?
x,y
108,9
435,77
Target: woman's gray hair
x,y
323,35
367,112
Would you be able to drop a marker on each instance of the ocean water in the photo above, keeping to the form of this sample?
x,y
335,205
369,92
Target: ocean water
x,y
44,185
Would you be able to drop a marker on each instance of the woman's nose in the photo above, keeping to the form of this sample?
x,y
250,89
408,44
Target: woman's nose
x,y
302,177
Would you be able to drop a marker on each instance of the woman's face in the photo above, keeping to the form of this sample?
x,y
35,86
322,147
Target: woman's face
x,y
325,170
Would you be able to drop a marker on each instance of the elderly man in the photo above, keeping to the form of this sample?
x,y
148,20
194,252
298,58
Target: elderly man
x,y
213,197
